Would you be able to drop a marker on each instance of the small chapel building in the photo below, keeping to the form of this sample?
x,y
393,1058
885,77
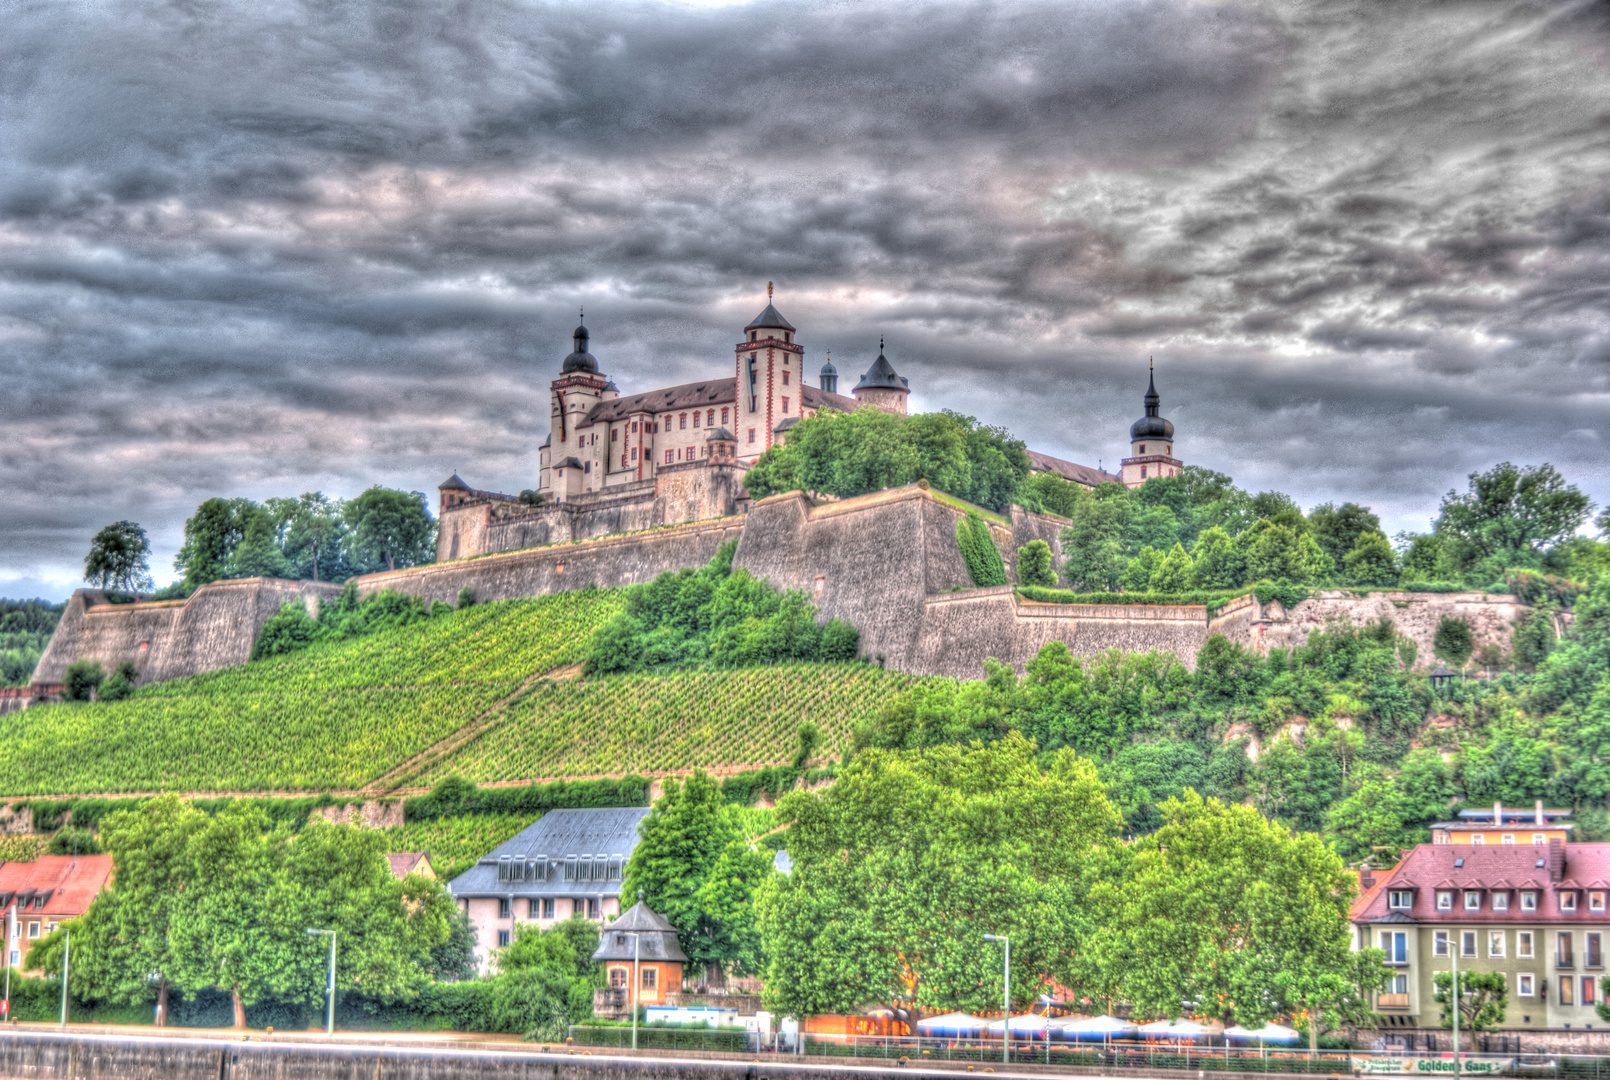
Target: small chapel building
x,y
645,942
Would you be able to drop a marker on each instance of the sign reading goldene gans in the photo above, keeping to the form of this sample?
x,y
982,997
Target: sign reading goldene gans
x,y
1400,1065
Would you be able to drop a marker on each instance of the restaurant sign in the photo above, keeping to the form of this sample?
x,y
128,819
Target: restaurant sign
x,y
1426,1066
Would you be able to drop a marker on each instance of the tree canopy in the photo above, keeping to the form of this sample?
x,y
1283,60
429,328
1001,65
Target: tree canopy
x,y
119,558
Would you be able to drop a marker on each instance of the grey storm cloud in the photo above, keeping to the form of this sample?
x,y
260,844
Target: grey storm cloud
x,y
252,249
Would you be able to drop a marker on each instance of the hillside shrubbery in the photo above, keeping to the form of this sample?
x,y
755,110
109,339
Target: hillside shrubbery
x,y
716,617
346,616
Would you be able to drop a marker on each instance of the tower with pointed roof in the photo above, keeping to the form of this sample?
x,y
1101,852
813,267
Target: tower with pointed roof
x,y
572,462
1151,441
770,383
881,388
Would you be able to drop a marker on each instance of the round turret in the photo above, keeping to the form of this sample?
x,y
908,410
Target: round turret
x,y
579,359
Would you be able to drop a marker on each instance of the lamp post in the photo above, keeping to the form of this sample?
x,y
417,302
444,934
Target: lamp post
x,y
67,949
637,979
1453,956
1006,996
329,1009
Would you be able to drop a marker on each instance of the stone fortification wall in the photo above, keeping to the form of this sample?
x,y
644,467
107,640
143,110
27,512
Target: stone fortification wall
x,y
692,491
214,628
1027,525
960,630
608,563
1492,617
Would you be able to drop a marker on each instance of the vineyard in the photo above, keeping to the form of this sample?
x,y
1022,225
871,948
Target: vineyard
x,y
655,723
331,717
454,843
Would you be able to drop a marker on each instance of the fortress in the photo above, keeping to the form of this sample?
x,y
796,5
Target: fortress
x,y
632,486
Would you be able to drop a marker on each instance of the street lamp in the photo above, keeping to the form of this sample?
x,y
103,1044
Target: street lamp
x,y
329,1011
637,980
1006,996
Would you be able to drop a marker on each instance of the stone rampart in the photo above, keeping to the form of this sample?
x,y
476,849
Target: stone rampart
x,y
1492,617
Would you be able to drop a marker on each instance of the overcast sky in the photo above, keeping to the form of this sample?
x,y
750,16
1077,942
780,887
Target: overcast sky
x,y
251,249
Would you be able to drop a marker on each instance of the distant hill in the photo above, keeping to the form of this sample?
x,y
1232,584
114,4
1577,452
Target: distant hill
x,y
25,629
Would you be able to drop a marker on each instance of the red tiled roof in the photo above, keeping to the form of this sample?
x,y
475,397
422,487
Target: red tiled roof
x,y
1079,474
1431,866
71,880
404,862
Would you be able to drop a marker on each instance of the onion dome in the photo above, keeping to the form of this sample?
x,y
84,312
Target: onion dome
x,y
579,359
1151,426
881,376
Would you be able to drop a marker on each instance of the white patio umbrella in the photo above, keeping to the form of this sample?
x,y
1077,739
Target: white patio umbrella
x,y
1269,1033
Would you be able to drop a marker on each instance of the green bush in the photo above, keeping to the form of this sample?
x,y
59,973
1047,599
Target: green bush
x,y
979,553
1213,599
120,685
1034,565
1453,641
82,678
455,796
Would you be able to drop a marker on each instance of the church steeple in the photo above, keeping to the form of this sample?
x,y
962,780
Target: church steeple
x,y
1151,440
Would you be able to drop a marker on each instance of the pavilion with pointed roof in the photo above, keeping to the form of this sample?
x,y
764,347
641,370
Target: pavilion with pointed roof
x,y
644,942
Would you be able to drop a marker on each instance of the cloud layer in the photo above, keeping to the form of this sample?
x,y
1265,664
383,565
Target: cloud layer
x,y
260,249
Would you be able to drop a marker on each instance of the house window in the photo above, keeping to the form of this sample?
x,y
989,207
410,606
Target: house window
x,y
710,418
1500,901
1398,984
1444,900
1595,901
547,907
1567,986
1472,901
578,906
1526,984
1528,901
503,938
33,929
668,457
751,435
1563,944
1595,950
1439,943
684,418
1587,990
1495,943
651,978
723,416
1523,944
1400,900
634,453
695,419
1396,946
634,427
533,908
1477,840
503,908
1539,838
618,978
594,907
1568,901
1507,838
1467,943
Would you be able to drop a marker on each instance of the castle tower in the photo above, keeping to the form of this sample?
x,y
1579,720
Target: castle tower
x,y
830,376
770,380
1151,443
572,460
881,388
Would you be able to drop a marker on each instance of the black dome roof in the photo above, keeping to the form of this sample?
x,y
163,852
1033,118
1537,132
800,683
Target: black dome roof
x,y
1151,426
881,376
579,359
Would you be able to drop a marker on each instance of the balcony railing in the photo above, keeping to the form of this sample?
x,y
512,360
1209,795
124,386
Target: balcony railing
x,y
1392,1001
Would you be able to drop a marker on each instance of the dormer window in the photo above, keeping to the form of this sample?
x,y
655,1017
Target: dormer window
x,y
1444,900
1528,901
1568,901
1399,900
1472,900
1595,901
1500,901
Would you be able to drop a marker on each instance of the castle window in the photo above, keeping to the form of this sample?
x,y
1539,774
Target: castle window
x,y
684,423
668,457
1168,450
751,335
615,435
1143,448
587,468
634,453
751,435
723,416
634,427
785,377
710,418
695,419
623,461
785,406
1143,472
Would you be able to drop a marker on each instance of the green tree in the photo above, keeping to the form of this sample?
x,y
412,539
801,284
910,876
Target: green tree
x,y
1137,575
1369,823
119,558
1223,908
1175,573
1453,641
1371,560
390,528
1277,550
1509,517
1093,546
694,865
314,530
1337,529
903,864
1051,494
1481,996
1534,638
810,738
1217,562
1034,565
258,554
211,536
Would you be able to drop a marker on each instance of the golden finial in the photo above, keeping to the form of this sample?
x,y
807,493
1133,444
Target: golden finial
x,y
768,291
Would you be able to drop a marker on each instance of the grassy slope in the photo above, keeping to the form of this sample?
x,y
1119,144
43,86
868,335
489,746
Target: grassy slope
x,y
334,716
644,723
342,714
